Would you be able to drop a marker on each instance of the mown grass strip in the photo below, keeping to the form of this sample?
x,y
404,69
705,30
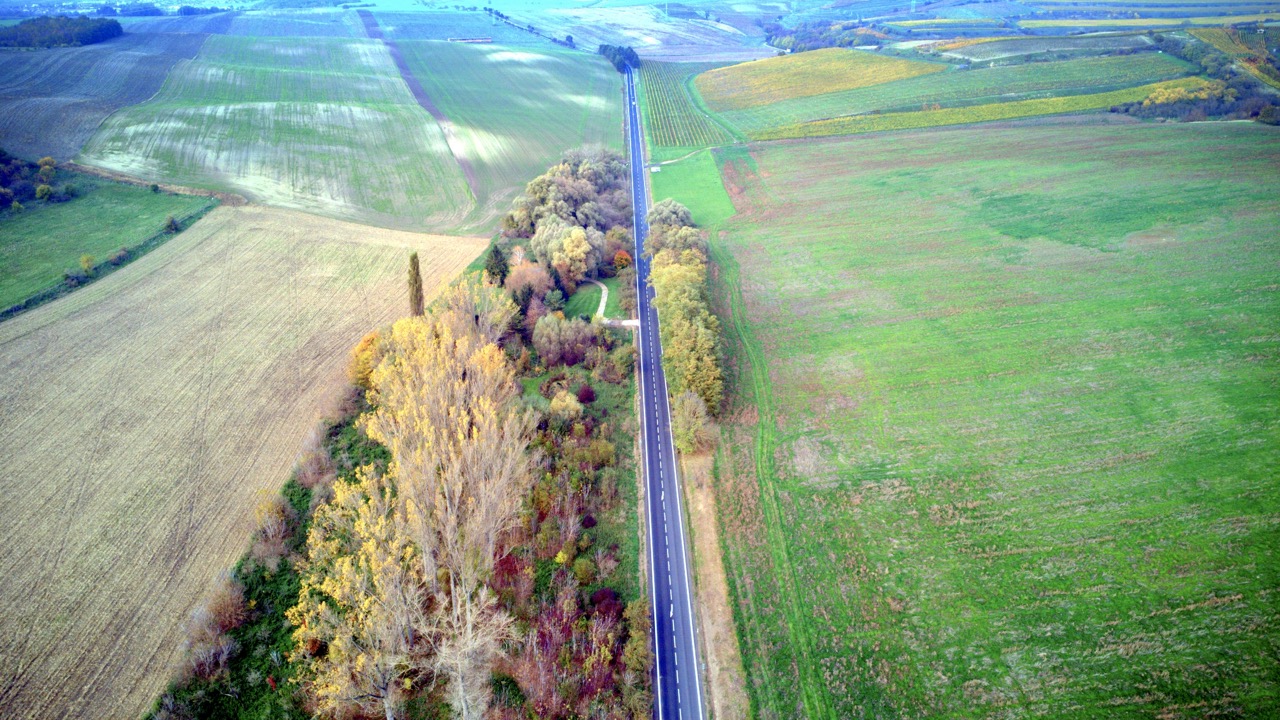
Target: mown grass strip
x,y
972,114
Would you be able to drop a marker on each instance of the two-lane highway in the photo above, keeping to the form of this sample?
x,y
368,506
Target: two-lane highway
x,y
678,692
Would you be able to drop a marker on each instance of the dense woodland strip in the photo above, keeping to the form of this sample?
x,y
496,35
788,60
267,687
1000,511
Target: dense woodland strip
x,y
59,31
690,331
467,546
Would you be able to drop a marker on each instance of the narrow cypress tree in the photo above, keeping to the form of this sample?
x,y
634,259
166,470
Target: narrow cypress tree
x,y
415,286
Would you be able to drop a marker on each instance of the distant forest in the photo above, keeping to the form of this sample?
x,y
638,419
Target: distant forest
x,y
47,32
820,34
620,56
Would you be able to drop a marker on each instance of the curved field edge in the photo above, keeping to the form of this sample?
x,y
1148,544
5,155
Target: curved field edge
x,y
52,101
974,113
817,72
152,407
862,521
999,84
318,124
40,244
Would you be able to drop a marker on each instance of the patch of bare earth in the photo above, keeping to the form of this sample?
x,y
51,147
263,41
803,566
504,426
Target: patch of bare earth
x,y
726,682
142,416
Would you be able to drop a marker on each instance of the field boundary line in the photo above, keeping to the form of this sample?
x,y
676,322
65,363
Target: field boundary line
x,y
105,268
419,93
811,687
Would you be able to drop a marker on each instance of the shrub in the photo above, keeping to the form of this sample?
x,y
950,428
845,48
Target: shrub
x,y
43,192
364,358
553,300
155,188
584,571
563,342
690,426
275,517
16,206
565,406
226,606
87,263
315,466
171,225
118,257
208,649
586,394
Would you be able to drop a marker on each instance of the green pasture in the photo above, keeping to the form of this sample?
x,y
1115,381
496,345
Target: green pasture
x,y
959,88
1007,422
514,112
319,124
38,244
695,182
585,301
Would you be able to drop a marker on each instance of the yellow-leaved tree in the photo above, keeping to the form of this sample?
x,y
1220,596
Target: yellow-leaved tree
x,y
447,408
361,615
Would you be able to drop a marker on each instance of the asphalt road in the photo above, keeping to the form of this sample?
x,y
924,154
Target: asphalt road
x,y
678,689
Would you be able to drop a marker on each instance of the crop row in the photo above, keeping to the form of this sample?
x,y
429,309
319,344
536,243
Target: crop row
x,y
1152,22
753,84
671,117
973,114
970,87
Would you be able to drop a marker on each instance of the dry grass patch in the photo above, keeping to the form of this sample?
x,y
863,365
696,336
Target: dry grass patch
x,y
143,415
803,75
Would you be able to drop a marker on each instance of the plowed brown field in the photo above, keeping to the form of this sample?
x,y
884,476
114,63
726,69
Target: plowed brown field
x,y
142,414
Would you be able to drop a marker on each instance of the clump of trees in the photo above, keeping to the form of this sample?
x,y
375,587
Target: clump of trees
x,y
395,594
690,331
21,182
576,219
622,56
59,31
1231,95
820,34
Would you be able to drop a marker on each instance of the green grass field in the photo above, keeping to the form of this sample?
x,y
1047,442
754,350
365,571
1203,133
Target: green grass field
x,y
585,301
968,87
39,243
1006,427
515,111
320,124
695,182
675,122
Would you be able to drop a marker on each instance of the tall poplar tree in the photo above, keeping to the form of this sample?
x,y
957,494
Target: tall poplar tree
x,y
415,287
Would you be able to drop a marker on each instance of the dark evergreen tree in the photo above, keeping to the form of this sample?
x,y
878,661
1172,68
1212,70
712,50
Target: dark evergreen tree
x,y
415,286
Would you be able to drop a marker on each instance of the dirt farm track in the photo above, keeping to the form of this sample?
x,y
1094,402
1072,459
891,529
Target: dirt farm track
x,y
142,416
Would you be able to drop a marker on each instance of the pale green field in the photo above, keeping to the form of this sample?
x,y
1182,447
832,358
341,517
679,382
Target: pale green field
x,y
324,125
514,112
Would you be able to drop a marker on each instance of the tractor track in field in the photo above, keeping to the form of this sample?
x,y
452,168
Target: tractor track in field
x,y
374,31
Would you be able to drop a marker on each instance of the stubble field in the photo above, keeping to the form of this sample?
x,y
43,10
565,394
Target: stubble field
x,y
1007,432
143,416
317,124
